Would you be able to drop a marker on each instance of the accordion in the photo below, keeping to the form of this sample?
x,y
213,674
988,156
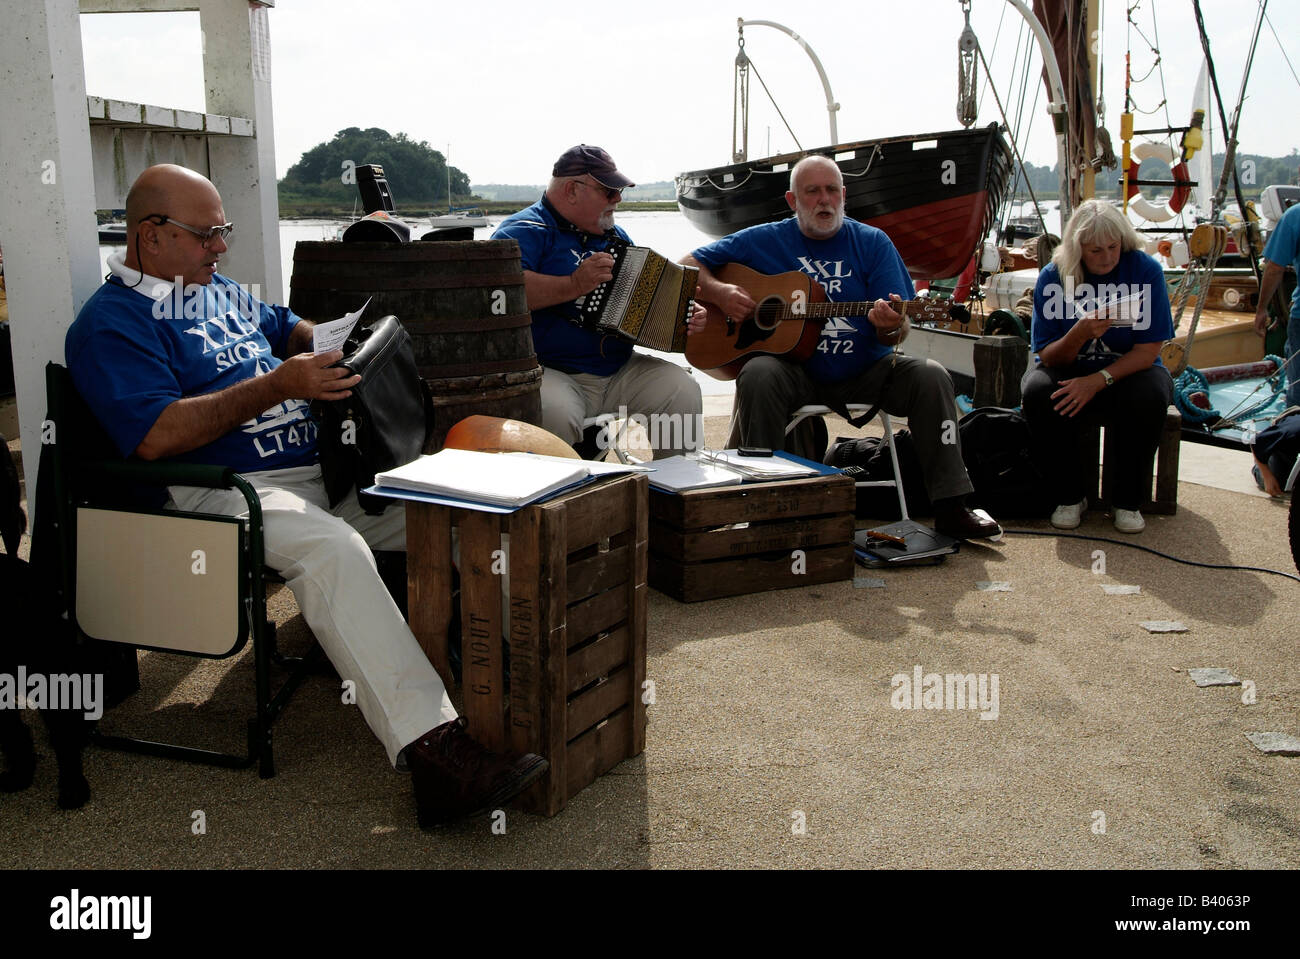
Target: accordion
x,y
648,300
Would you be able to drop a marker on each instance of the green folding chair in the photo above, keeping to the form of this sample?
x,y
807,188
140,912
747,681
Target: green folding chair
x,y
132,573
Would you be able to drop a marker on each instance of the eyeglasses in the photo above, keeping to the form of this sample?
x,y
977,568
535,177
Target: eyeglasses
x,y
611,193
205,236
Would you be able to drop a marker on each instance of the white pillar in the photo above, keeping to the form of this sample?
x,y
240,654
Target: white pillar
x,y
237,82
47,198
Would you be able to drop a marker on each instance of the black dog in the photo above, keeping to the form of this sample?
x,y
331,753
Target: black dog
x,y
41,644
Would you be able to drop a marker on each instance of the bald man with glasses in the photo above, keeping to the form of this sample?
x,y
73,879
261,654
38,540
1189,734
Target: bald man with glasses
x,y
180,362
563,239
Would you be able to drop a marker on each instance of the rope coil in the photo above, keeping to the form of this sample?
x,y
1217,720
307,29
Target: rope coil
x,y
1192,380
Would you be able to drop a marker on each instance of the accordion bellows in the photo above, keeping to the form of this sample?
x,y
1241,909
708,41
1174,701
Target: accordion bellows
x,y
648,300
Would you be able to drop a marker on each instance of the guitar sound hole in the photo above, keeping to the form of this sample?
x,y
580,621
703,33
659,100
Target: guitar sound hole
x,y
768,313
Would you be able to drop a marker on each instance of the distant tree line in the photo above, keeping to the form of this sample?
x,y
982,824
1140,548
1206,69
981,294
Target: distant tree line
x,y
416,173
529,192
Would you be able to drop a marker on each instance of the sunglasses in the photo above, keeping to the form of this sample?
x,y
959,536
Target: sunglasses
x,y
611,193
205,236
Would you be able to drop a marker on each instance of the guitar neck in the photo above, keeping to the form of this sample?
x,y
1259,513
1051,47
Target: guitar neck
x,y
826,309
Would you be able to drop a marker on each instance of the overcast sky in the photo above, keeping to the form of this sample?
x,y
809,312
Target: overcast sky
x,y
510,84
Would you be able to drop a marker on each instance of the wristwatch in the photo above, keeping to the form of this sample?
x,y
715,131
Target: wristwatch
x,y
1105,375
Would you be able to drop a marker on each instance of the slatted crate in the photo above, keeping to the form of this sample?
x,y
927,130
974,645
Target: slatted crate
x,y
1165,499
566,682
731,540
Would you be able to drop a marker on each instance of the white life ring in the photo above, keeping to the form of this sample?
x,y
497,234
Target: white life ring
x,y
1140,204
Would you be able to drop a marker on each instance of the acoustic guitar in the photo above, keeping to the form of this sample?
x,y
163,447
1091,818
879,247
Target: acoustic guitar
x,y
790,310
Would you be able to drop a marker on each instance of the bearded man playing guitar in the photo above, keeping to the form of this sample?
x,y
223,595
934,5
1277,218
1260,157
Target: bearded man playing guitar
x,y
853,360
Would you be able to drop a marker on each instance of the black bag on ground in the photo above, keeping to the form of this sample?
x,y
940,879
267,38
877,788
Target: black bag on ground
x,y
871,453
995,443
383,424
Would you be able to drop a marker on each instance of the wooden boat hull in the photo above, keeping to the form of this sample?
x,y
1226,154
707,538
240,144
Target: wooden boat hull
x,y
934,194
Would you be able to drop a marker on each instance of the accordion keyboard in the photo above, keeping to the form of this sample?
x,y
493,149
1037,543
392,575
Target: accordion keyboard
x,y
647,301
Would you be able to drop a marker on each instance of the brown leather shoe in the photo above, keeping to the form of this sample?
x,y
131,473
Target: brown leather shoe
x,y
455,777
953,518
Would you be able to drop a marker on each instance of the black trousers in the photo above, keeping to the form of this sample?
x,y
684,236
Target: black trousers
x,y
1133,412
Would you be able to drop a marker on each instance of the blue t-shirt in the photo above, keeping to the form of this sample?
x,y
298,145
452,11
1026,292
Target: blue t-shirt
x,y
1283,248
552,245
1057,307
859,263
131,356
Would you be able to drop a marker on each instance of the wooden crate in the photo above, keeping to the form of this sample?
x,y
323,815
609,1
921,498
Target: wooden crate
x,y
574,625
1165,499
731,540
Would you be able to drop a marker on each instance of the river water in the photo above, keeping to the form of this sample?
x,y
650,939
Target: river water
x,y
668,233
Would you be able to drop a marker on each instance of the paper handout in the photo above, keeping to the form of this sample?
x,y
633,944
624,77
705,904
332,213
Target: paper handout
x,y
509,480
1124,311
760,467
332,335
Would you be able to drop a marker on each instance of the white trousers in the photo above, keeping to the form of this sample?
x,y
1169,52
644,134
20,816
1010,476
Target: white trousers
x,y
661,391
325,558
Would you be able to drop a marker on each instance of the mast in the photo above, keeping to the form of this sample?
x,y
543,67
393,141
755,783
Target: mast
x,y
1230,157
1088,185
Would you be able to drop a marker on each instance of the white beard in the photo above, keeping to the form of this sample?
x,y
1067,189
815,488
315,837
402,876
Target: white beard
x,y
810,226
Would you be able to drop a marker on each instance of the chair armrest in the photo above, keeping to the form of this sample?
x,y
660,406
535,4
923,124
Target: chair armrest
x,y
159,474
181,474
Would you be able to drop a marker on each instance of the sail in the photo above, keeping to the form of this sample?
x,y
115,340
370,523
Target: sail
x,y
1201,166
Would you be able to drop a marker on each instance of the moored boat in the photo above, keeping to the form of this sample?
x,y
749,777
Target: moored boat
x,y
471,217
934,194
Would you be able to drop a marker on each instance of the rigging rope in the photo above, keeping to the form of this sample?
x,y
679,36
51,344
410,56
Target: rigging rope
x,y
967,79
1282,48
1164,92
1192,380
740,105
1101,64
967,75
778,109
1200,279
1015,148
1277,380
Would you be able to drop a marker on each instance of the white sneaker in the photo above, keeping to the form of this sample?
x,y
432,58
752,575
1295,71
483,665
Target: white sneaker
x,y
1069,517
1129,521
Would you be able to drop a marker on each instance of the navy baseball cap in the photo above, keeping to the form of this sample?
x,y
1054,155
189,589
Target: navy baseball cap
x,y
594,161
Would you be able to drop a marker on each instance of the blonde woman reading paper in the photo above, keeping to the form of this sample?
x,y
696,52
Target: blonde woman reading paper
x,y
1101,314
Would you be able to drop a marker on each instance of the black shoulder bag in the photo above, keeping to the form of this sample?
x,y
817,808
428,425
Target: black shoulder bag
x,y
383,424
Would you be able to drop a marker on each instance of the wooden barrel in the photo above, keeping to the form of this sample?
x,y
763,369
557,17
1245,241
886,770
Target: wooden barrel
x,y
463,304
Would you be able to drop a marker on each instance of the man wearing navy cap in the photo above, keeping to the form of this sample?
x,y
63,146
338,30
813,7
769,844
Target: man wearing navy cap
x,y
563,239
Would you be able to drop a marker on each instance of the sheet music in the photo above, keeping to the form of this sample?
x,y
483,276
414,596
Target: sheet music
x,y
759,467
332,335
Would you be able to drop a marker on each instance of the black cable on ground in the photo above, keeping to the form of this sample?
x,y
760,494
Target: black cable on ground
x,y
1146,549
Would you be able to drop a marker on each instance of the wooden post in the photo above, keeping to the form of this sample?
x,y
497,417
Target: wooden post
x,y
428,581
480,612
1000,362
